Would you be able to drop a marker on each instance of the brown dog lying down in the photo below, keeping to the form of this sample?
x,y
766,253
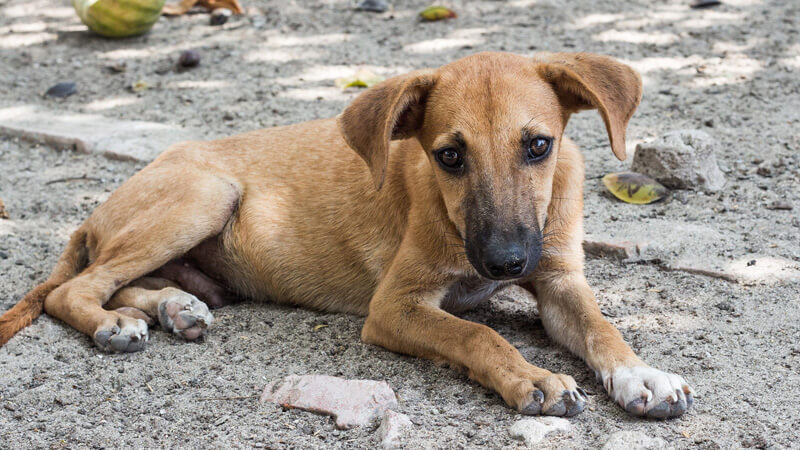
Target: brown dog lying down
x,y
469,186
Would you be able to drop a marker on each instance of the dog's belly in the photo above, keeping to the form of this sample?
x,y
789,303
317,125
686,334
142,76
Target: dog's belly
x,y
467,293
273,251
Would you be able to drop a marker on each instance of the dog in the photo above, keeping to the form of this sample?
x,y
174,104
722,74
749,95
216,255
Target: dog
x,y
469,186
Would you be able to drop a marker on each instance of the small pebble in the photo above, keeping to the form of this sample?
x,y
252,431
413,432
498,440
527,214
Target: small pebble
x,y
220,16
377,6
118,66
780,206
62,90
699,4
189,58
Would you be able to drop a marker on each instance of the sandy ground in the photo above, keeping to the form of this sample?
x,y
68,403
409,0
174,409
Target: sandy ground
x,y
733,71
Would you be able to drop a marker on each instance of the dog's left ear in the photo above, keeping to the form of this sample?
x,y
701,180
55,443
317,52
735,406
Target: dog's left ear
x,y
588,81
392,109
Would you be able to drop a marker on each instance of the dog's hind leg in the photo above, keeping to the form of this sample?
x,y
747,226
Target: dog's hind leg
x,y
159,300
156,216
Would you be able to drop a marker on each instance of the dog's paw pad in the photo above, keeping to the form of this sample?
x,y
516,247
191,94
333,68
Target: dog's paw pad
x,y
184,315
572,403
555,395
648,392
534,406
128,335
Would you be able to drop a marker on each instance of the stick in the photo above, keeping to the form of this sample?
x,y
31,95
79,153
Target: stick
x,y
240,397
68,179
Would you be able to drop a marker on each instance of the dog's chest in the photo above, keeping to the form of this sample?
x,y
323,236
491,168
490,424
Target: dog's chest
x,y
468,293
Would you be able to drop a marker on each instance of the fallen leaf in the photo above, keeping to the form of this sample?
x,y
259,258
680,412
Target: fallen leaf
x,y
362,78
140,86
634,187
434,13
686,434
319,327
177,9
3,212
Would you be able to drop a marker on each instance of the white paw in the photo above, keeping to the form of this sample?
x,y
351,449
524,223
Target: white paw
x,y
184,315
644,391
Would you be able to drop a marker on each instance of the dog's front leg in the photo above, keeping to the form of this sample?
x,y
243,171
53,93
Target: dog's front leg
x,y
404,317
571,316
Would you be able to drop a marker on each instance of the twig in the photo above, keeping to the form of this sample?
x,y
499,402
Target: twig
x,y
703,272
240,397
68,179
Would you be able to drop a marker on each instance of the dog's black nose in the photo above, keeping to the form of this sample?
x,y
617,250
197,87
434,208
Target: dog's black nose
x,y
508,264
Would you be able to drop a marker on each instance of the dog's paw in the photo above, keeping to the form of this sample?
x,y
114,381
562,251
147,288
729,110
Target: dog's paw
x,y
648,392
127,335
554,395
184,315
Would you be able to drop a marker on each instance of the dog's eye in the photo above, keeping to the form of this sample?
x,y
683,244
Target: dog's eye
x,y
539,147
450,158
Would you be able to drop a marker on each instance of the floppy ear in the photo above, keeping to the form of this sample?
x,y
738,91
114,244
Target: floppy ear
x,y
393,109
588,81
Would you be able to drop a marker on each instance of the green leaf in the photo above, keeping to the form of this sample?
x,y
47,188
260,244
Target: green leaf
x,y
362,78
434,13
634,187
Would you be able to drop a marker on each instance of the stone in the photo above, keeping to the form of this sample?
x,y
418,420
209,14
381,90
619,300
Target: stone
x,y
352,403
622,249
393,425
220,16
62,90
189,59
533,430
626,440
92,133
682,159
377,6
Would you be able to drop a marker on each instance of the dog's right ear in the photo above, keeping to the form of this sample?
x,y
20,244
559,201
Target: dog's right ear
x,y
585,80
392,109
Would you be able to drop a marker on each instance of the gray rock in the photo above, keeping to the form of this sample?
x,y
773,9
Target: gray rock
x,y
352,403
627,440
62,90
533,430
682,159
377,6
91,133
392,427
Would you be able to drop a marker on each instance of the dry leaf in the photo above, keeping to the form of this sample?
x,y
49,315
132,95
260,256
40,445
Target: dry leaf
x,y
176,9
140,86
319,327
433,13
362,78
3,212
634,187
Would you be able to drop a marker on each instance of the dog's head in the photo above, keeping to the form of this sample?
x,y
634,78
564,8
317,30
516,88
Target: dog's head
x,y
491,126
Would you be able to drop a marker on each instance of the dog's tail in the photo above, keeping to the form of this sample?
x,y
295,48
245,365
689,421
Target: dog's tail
x,y
71,263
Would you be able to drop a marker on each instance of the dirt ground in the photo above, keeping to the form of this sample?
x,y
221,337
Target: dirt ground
x,y
733,71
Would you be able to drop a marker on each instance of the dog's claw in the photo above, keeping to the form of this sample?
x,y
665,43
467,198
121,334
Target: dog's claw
x,y
574,403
